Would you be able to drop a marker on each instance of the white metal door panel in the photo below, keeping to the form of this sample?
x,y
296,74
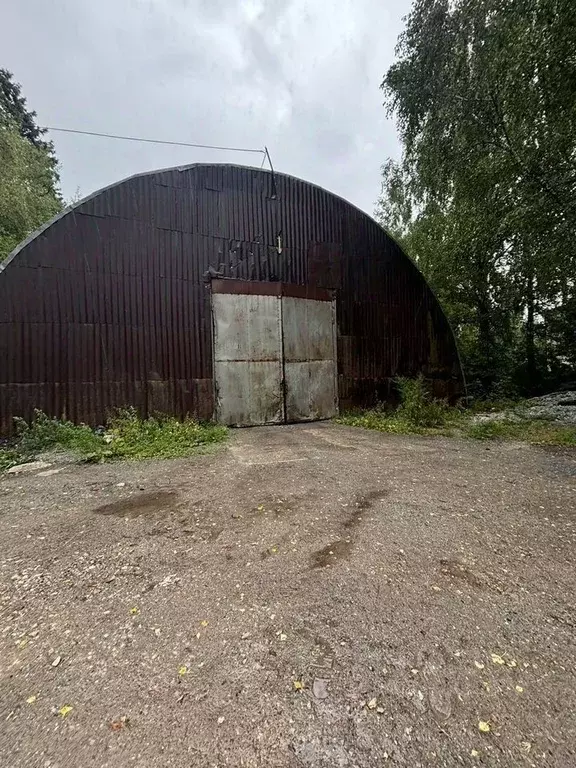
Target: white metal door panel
x,y
309,337
247,359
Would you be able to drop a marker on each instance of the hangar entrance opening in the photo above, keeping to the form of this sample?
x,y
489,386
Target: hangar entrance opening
x,y
274,353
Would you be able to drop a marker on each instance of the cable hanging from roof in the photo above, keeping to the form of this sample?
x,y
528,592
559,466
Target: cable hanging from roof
x,y
158,141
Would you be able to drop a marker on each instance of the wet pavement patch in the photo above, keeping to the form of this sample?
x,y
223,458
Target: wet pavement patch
x,y
363,503
332,554
367,500
144,504
459,571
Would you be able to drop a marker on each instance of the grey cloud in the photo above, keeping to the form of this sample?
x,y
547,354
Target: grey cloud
x,y
301,77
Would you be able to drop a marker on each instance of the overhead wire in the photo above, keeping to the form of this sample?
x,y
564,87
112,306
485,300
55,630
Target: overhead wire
x,y
157,141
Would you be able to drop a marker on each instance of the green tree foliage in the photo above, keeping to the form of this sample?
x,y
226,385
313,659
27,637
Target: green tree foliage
x,y
13,108
484,196
29,192
27,197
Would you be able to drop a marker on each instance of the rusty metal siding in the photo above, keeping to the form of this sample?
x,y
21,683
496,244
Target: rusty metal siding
x,y
110,304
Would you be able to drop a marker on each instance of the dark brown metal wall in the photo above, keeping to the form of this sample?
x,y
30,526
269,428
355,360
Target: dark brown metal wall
x,y
109,305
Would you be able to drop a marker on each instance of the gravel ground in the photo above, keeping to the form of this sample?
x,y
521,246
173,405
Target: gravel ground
x,y
558,406
310,595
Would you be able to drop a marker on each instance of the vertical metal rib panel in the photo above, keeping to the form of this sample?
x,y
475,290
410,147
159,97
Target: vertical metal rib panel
x,y
109,305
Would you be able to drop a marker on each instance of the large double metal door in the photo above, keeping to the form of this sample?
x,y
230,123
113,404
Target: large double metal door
x,y
274,353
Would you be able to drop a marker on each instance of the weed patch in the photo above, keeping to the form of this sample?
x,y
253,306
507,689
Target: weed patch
x,y
159,437
536,431
419,414
126,436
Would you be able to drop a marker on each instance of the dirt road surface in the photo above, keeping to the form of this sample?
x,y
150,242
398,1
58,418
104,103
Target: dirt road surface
x,y
308,596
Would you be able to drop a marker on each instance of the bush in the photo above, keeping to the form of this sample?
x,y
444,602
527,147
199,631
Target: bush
x,y
8,458
417,407
44,433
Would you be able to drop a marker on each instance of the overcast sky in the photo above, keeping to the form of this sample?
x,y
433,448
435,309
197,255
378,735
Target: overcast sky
x,y
301,77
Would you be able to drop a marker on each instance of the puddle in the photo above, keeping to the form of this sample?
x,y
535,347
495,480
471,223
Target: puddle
x,y
332,554
143,504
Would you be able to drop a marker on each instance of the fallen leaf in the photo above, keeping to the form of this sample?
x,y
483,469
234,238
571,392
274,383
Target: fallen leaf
x,y
519,689
372,703
260,507
30,699
57,661
497,659
204,623
298,685
23,643
479,664
474,753
134,611
65,710
484,726
183,670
